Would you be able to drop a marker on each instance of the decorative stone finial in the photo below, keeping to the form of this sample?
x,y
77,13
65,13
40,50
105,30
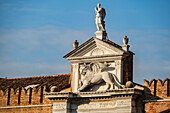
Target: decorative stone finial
x,y
75,44
125,40
125,46
100,23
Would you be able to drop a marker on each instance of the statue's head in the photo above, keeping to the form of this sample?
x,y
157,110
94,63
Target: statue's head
x,y
85,68
98,5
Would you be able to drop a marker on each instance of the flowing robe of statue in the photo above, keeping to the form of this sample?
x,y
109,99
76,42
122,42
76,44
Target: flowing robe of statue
x,y
100,15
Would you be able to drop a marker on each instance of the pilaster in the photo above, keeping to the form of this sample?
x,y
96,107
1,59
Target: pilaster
x,y
75,77
119,70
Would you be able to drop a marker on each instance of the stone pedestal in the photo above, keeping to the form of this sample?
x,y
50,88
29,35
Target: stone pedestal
x,y
125,47
111,101
101,35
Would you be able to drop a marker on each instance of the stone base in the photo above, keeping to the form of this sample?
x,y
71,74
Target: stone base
x,y
111,101
101,35
125,47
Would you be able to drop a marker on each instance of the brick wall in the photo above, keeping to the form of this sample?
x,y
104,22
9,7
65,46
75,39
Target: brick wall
x,y
23,100
156,97
128,69
28,110
157,107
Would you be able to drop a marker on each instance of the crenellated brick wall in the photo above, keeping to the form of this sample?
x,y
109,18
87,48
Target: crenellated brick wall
x,y
157,96
13,100
158,87
26,95
151,86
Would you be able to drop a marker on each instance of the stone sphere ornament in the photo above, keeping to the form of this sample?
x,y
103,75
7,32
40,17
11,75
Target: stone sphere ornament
x,y
54,89
125,40
129,84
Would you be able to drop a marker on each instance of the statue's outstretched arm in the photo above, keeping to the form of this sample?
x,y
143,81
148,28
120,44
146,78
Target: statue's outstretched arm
x,y
96,10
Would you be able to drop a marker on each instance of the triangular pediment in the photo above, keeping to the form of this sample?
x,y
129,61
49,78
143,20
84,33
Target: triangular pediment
x,y
96,47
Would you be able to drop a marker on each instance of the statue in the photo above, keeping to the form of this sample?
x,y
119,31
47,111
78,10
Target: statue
x,y
100,15
93,74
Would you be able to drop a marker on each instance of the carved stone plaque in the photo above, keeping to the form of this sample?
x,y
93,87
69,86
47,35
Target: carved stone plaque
x,y
97,105
59,106
123,103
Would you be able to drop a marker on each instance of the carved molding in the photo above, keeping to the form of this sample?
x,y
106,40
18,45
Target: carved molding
x,y
94,96
96,52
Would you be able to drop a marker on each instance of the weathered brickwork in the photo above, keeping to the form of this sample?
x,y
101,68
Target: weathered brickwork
x,y
32,100
157,107
128,69
158,88
151,86
4,98
16,98
24,96
27,97
162,88
28,110
156,98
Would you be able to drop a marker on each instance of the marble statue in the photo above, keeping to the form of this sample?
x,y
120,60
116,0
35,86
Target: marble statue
x,y
93,74
100,15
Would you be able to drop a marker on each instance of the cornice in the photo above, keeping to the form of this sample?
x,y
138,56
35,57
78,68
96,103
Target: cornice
x,y
116,93
96,58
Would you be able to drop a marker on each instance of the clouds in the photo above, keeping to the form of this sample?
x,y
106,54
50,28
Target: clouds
x,y
150,69
31,52
152,55
34,35
40,37
18,69
152,51
36,51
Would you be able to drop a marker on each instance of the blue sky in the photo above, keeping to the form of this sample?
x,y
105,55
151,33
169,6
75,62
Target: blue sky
x,y
36,34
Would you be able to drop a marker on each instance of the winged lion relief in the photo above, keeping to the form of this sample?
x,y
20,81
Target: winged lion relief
x,y
96,73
